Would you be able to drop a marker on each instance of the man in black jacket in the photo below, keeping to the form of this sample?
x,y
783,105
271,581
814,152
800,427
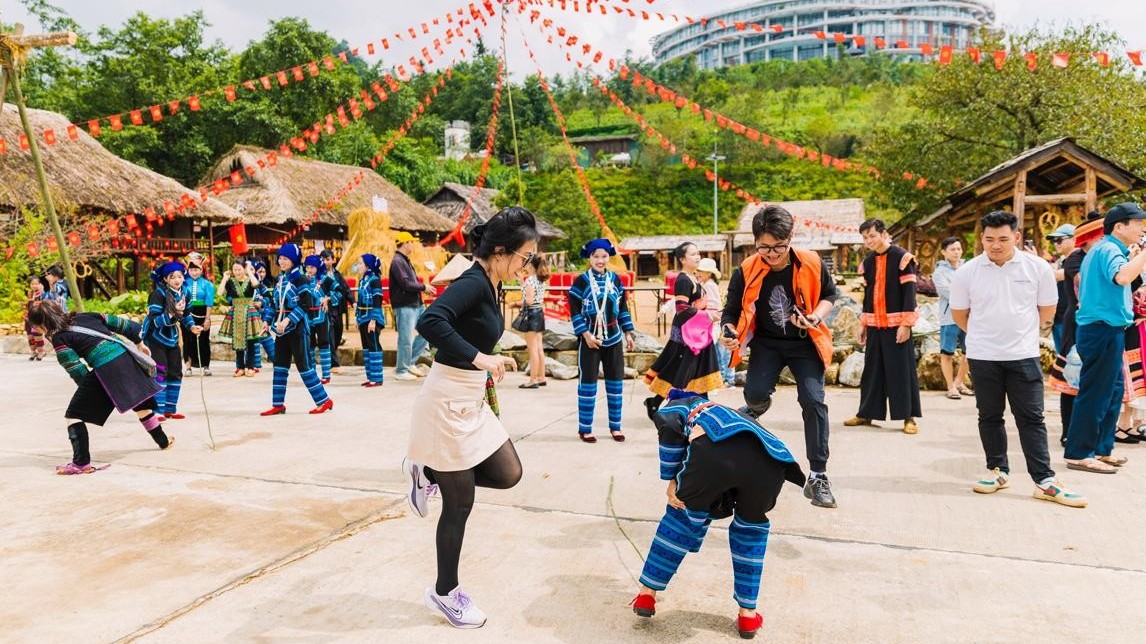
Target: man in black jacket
x,y
336,288
406,300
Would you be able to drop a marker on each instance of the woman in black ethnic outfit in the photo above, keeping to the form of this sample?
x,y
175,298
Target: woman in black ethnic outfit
x,y
688,360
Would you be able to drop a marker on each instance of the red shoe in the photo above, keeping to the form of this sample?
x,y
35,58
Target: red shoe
x,y
749,625
325,381
175,417
326,406
369,384
256,370
274,411
644,605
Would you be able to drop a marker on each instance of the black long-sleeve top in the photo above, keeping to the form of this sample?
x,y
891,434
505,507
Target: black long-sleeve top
x,y
464,321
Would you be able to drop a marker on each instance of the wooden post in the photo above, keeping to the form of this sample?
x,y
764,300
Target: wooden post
x,y
13,47
1091,191
1020,197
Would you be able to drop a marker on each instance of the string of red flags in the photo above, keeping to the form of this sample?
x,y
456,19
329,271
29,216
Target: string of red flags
x,y
939,53
721,121
582,178
458,23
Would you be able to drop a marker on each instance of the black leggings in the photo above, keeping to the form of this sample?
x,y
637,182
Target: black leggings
x,y
501,471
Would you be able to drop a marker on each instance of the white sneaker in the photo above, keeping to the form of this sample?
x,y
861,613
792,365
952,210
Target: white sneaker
x,y
457,607
994,482
420,488
405,376
420,370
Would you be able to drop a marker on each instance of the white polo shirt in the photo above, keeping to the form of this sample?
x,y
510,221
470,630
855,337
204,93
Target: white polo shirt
x,y
1004,320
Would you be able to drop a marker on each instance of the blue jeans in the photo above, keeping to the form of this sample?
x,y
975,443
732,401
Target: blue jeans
x,y
410,344
951,337
723,355
1056,334
1100,388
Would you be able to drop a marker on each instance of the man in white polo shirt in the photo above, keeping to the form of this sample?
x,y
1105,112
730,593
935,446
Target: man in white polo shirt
x,y
1000,298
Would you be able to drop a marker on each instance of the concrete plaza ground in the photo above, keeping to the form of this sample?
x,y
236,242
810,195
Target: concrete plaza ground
x,y
294,530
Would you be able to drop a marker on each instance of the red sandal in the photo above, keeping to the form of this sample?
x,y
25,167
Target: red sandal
x,y
644,605
324,407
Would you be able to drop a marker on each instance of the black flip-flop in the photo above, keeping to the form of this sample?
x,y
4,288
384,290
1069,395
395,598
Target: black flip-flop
x,y
531,385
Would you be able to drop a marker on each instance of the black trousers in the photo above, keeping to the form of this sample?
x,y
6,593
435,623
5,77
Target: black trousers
x,y
197,348
590,361
91,403
294,347
768,360
320,334
738,465
369,340
245,358
168,361
889,378
335,318
1019,382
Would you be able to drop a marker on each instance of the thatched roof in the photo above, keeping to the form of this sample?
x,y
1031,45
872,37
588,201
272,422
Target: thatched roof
x,y
292,188
451,199
846,213
653,243
84,175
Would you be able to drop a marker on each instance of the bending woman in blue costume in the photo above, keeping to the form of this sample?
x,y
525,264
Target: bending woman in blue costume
x,y
719,463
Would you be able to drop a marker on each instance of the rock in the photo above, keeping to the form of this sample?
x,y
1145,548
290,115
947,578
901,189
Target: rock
x,y
559,336
786,377
510,341
924,326
929,311
844,325
559,371
931,374
832,374
631,374
851,371
741,377
841,352
567,358
520,358
928,344
643,343
639,362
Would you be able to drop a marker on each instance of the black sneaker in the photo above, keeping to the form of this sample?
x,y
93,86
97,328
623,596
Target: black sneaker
x,y
819,490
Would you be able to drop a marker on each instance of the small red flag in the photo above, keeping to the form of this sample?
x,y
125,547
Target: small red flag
x,y
1060,60
297,73
1103,59
136,117
1000,58
93,128
880,43
116,123
282,78
975,54
236,178
840,38
901,44
926,48
193,103
173,108
946,53
859,41
50,137
312,68
156,113
229,92
73,132
777,28
1032,61
821,35
1135,57
74,239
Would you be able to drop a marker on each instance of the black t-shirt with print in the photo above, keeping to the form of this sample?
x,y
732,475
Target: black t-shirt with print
x,y
775,307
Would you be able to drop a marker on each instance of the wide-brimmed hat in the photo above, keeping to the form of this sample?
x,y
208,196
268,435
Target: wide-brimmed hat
x,y
1088,232
708,265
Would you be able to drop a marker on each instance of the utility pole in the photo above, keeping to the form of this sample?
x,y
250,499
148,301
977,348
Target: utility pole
x,y
716,159
13,49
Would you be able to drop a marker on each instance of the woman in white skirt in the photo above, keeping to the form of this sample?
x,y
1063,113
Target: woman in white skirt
x,y
457,443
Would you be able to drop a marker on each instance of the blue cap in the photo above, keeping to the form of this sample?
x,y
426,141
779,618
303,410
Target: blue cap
x,y
313,260
161,273
1062,232
291,252
595,245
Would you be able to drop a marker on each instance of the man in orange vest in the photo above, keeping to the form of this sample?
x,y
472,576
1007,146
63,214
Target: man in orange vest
x,y
777,300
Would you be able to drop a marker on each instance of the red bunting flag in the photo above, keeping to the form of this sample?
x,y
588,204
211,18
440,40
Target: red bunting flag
x,y
74,239
1135,57
33,249
840,38
229,92
136,117
193,103
73,132
173,107
93,128
266,82
1000,58
1032,61
52,245
927,49
859,41
282,78
777,28
156,113
328,62
312,68
116,123
236,178
880,43
1061,60
820,35
946,53
297,73
975,54
901,44
1103,58
50,137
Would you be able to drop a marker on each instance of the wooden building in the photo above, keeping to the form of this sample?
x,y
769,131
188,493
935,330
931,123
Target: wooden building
x,y
651,256
837,240
450,201
591,147
92,186
282,195
1055,183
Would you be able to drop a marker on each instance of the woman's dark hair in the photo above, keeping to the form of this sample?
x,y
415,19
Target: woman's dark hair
x,y
877,224
948,241
51,316
505,232
540,267
55,271
774,221
679,252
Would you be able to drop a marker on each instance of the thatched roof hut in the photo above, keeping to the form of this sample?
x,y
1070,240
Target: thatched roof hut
x,y
452,198
651,255
292,188
833,214
83,175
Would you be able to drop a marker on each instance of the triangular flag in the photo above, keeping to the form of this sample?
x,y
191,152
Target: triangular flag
x,y
1060,60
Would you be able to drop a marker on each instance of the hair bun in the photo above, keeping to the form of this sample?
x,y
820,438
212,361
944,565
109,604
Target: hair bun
x,y
476,234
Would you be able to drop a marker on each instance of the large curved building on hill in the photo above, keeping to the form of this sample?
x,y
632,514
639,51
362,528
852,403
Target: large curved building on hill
x,y
935,22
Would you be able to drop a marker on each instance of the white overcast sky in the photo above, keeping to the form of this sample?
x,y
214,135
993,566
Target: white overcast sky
x,y
236,22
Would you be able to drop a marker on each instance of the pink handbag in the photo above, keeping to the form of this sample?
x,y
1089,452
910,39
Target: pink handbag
x,y
697,332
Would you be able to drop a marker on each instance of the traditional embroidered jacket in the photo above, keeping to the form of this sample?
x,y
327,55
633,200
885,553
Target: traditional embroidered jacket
x,y
369,305
597,304
889,289
162,321
291,299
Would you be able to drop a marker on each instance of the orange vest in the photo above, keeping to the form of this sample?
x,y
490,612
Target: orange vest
x,y
806,285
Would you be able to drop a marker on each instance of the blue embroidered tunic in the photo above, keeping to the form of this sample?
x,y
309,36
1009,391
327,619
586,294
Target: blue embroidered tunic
x,y
291,299
162,321
597,304
369,305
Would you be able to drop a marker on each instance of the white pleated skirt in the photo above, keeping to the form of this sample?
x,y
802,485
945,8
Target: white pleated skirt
x,y
452,428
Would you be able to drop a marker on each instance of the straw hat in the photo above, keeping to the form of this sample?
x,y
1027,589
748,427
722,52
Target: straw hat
x,y
708,265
